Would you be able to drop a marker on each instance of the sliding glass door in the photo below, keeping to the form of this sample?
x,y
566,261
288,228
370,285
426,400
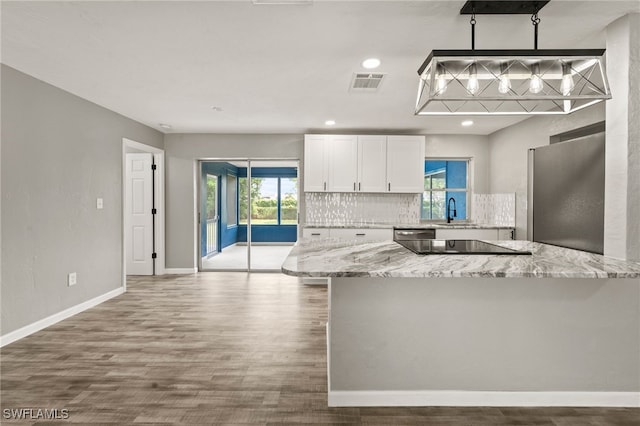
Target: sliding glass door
x,y
220,249
273,213
258,214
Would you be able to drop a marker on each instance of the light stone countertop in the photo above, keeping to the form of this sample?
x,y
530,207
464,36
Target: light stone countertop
x,y
332,257
422,225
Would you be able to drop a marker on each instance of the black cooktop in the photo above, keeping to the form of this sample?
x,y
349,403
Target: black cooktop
x,y
456,247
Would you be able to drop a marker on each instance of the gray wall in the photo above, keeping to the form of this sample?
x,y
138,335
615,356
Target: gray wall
x,y
622,182
182,152
59,153
508,150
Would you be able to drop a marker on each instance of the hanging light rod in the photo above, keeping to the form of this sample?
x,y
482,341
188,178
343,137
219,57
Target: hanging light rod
x,y
502,7
511,81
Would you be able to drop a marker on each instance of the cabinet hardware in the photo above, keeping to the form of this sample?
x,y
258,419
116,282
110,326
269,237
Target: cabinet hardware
x,y
354,186
325,186
389,186
359,186
316,234
360,235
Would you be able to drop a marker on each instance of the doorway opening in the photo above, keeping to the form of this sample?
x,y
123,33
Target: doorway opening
x,y
142,209
248,214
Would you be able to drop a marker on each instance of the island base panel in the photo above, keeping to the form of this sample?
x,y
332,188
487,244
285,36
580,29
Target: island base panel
x,y
532,341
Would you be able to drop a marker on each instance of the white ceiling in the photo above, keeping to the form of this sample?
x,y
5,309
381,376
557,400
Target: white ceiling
x,y
271,68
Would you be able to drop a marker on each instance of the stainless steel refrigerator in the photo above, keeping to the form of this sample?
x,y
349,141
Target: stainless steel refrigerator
x,y
566,191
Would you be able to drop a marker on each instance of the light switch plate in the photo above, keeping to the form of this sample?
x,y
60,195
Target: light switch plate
x,y
72,279
99,203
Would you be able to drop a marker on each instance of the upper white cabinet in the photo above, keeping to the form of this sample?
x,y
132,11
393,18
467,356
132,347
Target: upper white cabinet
x,y
343,157
372,163
316,163
405,163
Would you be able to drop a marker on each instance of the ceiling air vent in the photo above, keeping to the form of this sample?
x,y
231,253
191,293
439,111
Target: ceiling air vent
x,y
366,82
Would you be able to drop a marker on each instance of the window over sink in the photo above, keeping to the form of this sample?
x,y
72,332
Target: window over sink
x,y
445,179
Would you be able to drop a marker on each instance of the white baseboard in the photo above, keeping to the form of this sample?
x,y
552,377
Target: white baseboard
x,y
50,320
170,271
482,399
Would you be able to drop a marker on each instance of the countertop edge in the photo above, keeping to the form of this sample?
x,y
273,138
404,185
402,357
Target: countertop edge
x,y
449,274
326,258
407,226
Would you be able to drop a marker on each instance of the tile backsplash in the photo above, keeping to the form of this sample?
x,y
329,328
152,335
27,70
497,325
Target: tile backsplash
x,y
494,209
338,208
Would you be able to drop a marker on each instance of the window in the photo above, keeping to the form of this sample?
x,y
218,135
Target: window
x,y
274,201
288,201
444,179
232,200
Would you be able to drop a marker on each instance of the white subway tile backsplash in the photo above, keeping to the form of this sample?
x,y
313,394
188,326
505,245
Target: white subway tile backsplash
x,y
494,209
338,208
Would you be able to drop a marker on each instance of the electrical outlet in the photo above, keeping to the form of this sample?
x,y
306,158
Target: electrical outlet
x,y
99,203
72,279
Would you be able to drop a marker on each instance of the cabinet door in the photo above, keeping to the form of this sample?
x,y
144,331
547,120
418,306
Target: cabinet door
x,y
405,164
364,234
506,234
372,163
315,233
466,234
315,163
343,163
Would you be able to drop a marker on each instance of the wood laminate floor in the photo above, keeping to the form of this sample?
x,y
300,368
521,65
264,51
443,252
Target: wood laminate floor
x,y
215,348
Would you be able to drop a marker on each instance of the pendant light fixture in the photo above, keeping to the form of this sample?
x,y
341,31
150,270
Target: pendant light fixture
x,y
506,82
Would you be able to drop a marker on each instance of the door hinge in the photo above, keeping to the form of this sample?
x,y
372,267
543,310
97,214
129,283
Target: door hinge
x,y
154,255
153,167
154,211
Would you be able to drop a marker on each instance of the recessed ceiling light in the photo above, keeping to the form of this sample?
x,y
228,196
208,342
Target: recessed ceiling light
x,y
216,108
165,126
330,122
467,123
371,63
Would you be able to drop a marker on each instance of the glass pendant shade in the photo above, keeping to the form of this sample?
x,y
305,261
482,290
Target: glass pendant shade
x,y
505,82
535,83
441,80
472,82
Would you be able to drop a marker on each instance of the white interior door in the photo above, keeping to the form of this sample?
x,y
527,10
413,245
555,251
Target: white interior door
x,y
139,217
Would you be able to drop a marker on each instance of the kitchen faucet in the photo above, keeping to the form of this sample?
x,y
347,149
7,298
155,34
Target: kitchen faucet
x,y
455,214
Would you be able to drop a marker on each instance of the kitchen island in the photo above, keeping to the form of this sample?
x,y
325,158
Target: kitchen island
x,y
558,327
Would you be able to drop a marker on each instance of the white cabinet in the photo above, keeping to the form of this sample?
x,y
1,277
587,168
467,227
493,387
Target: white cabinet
x,y
405,164
373,163
466,234
343,160
506,234
315,232
364,234
473,234
316,163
